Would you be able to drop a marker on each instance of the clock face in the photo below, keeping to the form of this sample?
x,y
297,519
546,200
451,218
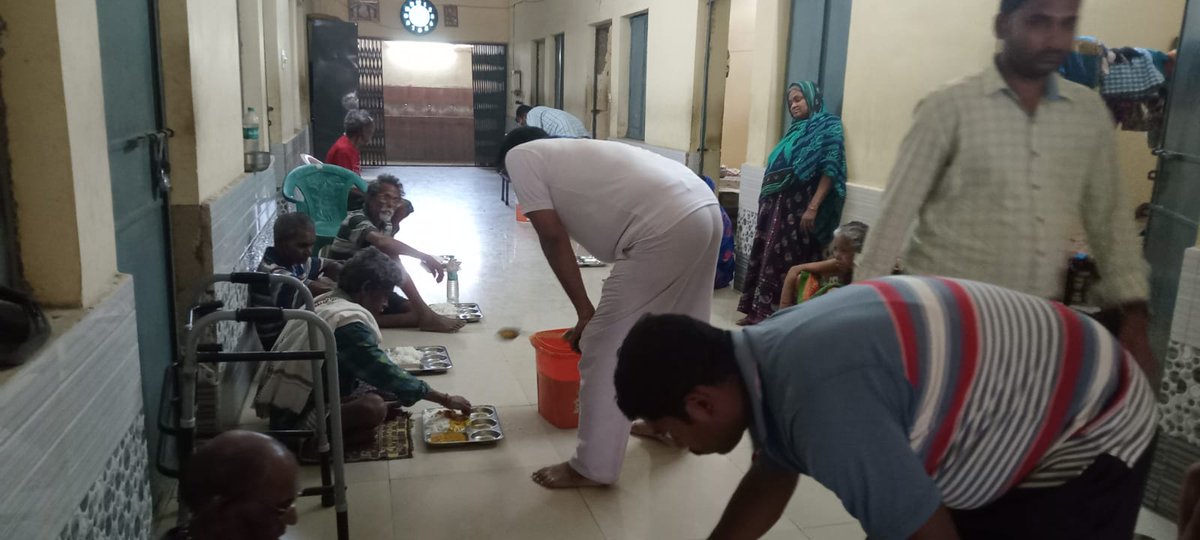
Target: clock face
x,y
419,16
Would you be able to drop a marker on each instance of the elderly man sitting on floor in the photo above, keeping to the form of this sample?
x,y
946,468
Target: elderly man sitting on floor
x,y
374,226
285,394
292,255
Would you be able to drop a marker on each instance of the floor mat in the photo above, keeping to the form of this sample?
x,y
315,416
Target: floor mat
x,y
393,440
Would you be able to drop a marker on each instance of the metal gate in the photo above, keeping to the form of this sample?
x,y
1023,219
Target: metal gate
x,y
370,98
489,66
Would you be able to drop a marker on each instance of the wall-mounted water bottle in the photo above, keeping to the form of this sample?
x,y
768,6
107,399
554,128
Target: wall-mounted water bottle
x,y
452,266
250,131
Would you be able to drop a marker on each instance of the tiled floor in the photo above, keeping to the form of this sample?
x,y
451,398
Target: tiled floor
x,y
486,493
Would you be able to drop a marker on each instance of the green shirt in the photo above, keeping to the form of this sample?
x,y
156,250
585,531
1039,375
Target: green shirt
x,y
361,359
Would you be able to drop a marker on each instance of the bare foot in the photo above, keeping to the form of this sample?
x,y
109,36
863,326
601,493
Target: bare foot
x,y
642,429
438,323
562,476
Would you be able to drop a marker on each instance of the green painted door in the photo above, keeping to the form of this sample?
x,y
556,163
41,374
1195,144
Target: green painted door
x,y
137,162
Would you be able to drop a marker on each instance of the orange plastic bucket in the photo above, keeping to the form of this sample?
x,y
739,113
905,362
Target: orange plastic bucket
x,y
557,378
521,215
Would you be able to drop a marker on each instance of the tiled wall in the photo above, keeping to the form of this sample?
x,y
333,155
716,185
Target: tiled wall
x,y
74,455
1179,395
669,153
229,233
287,155
242,220
118,505
862,204
747,220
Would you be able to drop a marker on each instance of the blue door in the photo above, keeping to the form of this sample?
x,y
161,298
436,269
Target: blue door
x,y
639,25
817,41
137,163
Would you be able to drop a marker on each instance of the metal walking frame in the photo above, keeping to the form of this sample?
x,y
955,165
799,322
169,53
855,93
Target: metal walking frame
x,y
327,400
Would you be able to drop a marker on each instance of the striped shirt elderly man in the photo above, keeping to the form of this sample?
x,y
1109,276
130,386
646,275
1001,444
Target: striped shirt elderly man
x,y
557,123
998,171
932,407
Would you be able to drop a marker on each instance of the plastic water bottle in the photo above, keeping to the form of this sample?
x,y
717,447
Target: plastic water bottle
x,y
1080,274
452,266
250,131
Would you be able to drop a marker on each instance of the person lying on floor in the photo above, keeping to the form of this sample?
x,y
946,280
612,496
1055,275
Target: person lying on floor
x,y
285,394
805,281
933,408
374,226
240,485
291,255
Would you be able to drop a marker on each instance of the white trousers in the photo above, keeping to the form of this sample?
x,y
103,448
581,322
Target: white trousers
x,y
669,273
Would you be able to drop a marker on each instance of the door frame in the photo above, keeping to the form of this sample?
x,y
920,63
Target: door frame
x,y
160,120
539,73
606,27
818,56
560,65
636,78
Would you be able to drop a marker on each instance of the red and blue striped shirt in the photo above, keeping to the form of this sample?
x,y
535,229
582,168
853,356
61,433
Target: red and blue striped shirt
x,y
908,392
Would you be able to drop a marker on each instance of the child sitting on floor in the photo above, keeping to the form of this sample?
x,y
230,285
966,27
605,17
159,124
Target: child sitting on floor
x,y
814,279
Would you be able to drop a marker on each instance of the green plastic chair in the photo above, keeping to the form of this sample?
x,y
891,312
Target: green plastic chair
x,y
323,190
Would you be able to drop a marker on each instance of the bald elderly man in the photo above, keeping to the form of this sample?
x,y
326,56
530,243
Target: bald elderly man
x,y
241,485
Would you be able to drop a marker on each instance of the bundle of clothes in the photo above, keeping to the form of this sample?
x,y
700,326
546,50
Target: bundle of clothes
x,y
1132,80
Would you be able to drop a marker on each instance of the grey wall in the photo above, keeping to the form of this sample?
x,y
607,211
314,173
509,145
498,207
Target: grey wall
x,y
74,450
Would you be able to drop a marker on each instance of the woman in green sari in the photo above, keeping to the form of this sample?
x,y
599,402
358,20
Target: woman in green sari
x,y
803,191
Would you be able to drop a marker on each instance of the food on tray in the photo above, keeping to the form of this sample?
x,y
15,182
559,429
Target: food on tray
x,y
406,356
448,437
451,414
450,421
449,427
444,309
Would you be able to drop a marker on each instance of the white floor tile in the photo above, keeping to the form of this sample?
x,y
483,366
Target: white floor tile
x,y
356,473
664,494
1155,526
500,505
848,531
815,506
369,507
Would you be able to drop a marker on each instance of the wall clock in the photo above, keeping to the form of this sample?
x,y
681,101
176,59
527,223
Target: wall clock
x,y
419,16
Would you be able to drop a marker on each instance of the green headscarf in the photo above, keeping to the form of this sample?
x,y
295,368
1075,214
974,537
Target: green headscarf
x,y
813,147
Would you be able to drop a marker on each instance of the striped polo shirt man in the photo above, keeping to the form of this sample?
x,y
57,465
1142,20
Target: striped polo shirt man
x,y
282,296
352,235
557,123
909,393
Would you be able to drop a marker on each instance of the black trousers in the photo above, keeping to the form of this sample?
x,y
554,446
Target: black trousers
x,y
1100,504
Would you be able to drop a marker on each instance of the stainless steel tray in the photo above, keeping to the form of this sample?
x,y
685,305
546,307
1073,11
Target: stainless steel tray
x,y
482,428
469,312
434,359
588,261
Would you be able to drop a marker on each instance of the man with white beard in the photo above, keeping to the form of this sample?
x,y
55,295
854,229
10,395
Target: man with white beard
x,y
375,225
